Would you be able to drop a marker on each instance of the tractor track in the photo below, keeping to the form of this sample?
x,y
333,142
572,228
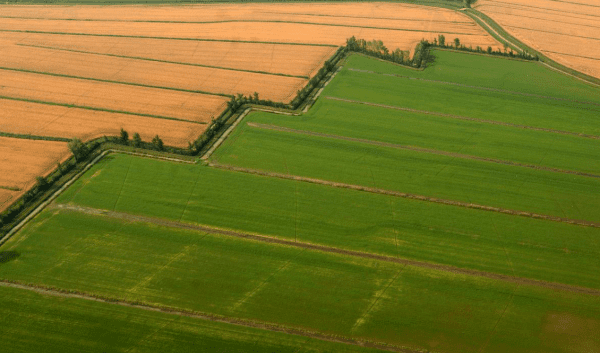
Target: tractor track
x,y
324,248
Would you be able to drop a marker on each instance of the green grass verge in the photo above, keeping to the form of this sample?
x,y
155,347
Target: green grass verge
x,y
39,323
308,290
342,218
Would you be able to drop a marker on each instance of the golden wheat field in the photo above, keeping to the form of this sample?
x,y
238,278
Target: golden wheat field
x,y
568,32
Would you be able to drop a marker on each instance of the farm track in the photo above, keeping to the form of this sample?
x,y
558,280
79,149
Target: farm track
x,y
364,17
466,118
68,105
479,87
164,61
421,149
268,326
323,248
405,195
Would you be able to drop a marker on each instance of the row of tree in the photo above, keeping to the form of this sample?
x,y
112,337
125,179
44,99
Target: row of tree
x,y
377,49
440,42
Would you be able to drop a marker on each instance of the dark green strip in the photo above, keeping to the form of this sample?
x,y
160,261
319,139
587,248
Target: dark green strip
x,y
168,38
34,137
9,188
99,109
165,61
117,82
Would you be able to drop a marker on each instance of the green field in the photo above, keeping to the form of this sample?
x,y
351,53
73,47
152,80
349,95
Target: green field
x,y
343,218
333,294
76,325
532,149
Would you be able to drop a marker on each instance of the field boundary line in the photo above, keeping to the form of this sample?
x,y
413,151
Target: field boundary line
x,y
466,118
117,82
164,61
225,135
262,325
52,197
168,38
405,195
146,155
476,87
111,111
322,248
421,150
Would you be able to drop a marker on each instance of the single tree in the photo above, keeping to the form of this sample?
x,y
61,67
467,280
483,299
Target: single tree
x,y
456,42
158,143
124,136
137,140
442,40
256,97
489,50
78,148
41,182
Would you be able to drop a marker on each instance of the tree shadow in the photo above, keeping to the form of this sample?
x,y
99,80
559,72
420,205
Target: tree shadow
x,y
6,256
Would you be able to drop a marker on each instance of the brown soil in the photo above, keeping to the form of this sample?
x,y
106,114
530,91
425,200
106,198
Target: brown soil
x,y
49,120
328,249
553,27
422,150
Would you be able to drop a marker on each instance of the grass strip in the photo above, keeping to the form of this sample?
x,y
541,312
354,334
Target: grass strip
x,y
10,188
165,61
116,82
169,38
34,137
100,109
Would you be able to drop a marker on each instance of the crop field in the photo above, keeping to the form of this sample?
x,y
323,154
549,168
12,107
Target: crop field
x,y
23,160
395,214
108,69
282,59
79,325
110,96
568,32
39,119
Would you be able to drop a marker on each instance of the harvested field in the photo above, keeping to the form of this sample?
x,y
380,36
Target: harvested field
x,y
49,120
150,73
279,59
23,160
564,31
118,97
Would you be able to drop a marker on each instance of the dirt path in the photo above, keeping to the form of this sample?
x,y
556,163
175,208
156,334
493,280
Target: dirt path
x,y
408,195
479,87
268,326
423,150
466,118
324,248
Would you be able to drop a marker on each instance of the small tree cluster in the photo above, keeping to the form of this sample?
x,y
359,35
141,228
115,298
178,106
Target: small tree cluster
x,y
79,149
441,42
